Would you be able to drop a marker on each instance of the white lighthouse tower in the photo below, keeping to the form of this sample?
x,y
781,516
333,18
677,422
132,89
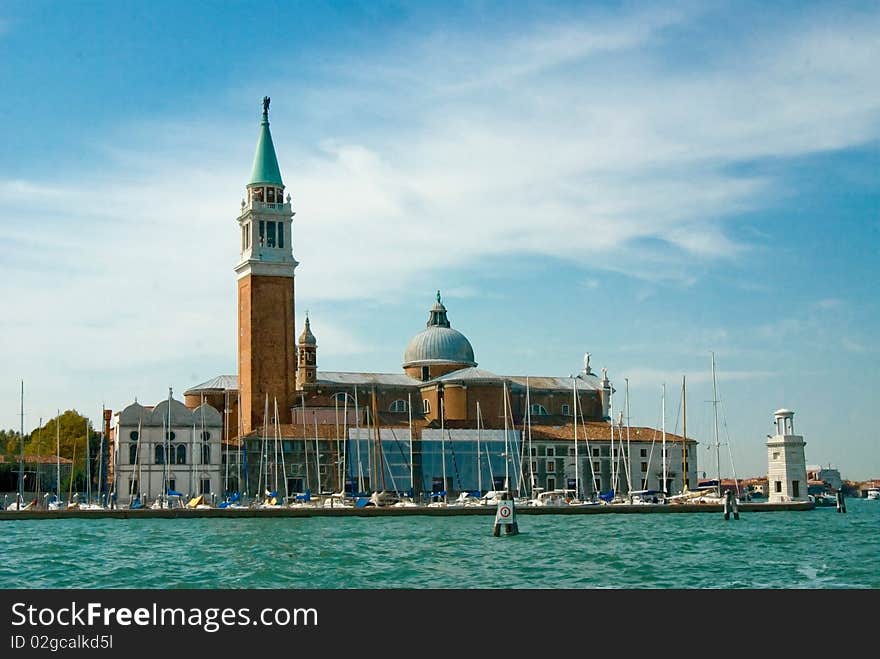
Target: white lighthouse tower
x,y
786,464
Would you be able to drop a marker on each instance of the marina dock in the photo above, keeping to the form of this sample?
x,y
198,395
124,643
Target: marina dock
x,y
391,511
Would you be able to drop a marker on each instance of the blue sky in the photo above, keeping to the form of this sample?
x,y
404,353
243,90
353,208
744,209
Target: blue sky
x,y
649,183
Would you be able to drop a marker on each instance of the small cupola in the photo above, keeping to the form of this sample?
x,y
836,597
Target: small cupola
x,y
307,357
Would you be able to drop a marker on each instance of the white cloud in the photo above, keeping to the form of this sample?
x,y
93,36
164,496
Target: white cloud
x,y
569,140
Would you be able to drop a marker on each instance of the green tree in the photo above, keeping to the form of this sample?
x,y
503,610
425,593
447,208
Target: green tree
x,y
10,444
71,430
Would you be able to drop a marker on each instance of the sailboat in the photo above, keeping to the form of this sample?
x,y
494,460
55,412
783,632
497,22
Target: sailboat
x,y
55,502
89,504
658,496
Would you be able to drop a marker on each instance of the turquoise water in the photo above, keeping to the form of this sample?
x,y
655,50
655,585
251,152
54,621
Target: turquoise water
x,y
815,549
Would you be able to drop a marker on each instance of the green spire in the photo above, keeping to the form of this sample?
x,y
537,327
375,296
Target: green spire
x,y
265,169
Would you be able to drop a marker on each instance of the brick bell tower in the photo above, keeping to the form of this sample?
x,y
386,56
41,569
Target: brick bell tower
x,y
266,344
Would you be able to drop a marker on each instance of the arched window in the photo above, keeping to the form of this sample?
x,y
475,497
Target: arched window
x,y
205,435
342,396
160,455
538,410
398,406
206,454
181,454
133,453
426,406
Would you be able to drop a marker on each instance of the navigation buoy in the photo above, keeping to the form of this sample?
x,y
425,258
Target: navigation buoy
x,y
505,516
730,505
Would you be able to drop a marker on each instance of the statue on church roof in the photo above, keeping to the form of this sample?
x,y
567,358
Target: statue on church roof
x,y
587,370
438,296
266,100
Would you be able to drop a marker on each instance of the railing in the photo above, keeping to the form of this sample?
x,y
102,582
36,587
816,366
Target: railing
x,y
262,205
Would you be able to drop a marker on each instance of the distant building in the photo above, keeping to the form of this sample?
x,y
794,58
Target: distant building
x,y
167,447
831,477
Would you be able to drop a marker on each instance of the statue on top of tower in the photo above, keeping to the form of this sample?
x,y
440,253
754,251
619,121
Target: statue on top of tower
x,y
266,100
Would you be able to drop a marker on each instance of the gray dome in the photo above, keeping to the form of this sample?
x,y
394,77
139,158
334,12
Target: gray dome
x,y
437,344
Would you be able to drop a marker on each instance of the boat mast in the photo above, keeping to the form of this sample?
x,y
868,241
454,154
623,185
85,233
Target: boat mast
x,y
380,455
226,441
443,446
344,443
663,488
21,454
628,449
88,467
506,445
338,446
281,447
264,457
137,460
577,491
529,430
412,483
357,430
283,464
317,451
613,461
58,457
305,444
684,450
167,448
715,413
479,456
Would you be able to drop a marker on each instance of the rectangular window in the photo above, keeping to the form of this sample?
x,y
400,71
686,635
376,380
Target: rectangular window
x,y
206,486
270,195
534,466
281,234
795,489
598,485
258,194
133,487
775,455
533,451
243,239
597,467
172,484
206,454
551,483
571,451
551,466
778,486
596,452
551,451
643,453
566,410
644,467
262,233
270,234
